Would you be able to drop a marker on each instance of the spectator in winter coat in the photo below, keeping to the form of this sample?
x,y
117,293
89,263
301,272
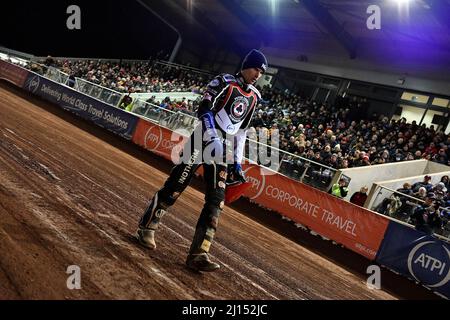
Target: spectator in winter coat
x,y
360,197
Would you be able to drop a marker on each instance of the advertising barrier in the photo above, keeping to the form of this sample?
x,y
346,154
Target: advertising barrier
x,y
354,227
418,256
13,73
115,120
158,140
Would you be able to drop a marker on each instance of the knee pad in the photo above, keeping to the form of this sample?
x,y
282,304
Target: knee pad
x,y
167,197
210,216
216,197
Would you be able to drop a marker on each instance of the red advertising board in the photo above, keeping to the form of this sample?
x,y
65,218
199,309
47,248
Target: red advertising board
x,y
159,140
356,228
13,73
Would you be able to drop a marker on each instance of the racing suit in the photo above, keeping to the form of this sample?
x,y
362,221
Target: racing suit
x,y
226,109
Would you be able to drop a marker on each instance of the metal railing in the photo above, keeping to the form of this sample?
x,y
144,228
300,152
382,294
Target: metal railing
x,y
14,54
167,118
295,167
183,67
94,90
106,95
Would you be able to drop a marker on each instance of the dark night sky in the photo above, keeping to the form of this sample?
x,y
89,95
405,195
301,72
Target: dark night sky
x,y
109,29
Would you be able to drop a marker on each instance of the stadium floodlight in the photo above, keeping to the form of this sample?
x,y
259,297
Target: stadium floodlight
x,y
273,6
403,7
401,3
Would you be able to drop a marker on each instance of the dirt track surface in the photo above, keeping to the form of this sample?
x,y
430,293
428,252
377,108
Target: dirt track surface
x,y
69,198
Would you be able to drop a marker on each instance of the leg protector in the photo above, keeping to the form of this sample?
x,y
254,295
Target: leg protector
x,y
215,176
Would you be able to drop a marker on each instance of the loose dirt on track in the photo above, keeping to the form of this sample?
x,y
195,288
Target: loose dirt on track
x,y
69,198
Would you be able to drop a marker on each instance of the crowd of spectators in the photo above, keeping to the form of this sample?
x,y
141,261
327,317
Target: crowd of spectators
x,y
184,105
337,135
425,205
148,76
138,77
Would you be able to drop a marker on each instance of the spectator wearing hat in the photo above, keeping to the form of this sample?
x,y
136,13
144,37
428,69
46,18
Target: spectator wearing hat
x,y
366,160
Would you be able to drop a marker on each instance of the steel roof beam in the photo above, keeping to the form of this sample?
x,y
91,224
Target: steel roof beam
x,y
259,31
331,25
202,18
441,10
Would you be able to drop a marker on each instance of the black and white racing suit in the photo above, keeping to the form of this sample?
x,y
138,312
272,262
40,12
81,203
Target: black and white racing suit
x,y
226,110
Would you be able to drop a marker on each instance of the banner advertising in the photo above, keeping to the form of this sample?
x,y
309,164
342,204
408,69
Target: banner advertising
x,y
159,140
108,117
13,73
356,228
418,256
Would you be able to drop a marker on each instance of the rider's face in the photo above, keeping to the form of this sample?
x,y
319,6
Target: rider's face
x,y
251,75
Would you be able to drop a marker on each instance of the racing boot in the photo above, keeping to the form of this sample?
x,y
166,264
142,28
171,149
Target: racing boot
x,y
201,262
198,258
146,237
150,221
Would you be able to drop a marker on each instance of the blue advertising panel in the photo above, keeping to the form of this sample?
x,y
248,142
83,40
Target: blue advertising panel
x,y
108,117
418,256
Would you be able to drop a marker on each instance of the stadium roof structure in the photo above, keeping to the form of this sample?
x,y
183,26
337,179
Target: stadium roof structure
x,y
414,38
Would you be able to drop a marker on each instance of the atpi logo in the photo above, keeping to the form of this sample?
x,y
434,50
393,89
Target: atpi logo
x,y
156,141
153,138
33,84
428,262
258,182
